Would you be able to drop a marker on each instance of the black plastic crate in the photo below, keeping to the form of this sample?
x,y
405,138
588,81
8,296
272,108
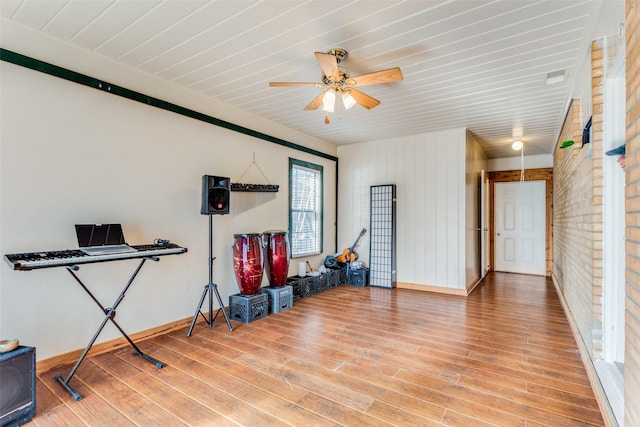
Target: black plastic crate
x,y
358,277
295,285
343,274
247,308
280,298
333,278
307,285
322,282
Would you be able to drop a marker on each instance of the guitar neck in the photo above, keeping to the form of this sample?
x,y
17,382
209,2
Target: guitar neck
x,y
364,230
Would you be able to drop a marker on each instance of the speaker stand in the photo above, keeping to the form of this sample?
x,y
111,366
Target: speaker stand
x,y
211,289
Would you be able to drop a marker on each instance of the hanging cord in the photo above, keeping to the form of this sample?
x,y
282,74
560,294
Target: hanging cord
x,y
250,166
522,164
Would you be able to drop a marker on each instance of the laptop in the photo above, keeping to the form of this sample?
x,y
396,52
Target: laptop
x,y
102,239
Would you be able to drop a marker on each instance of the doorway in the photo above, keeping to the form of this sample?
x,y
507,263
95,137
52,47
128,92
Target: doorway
x,y
520,227
483,228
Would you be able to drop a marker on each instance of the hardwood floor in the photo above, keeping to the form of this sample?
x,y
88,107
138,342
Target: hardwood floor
x,y
349,356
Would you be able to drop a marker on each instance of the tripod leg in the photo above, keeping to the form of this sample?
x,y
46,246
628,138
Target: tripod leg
x,y
224,312
195,316
211,316
210,287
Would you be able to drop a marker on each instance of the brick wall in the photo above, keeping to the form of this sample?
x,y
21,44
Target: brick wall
x,y
577,227
577,217
632,207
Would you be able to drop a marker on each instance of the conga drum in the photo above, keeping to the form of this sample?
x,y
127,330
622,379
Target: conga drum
x,y
248,259
278,253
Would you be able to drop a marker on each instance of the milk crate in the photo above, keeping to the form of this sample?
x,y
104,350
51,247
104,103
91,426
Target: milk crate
x,y
306,284
322,282
280,298
343,274
294,282
247,308
358,277
333,278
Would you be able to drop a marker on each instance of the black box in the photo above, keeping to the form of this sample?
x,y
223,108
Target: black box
x,y
306,285
17,386
343,274
333,278
322,282
295,285
280,298
247,308
358,277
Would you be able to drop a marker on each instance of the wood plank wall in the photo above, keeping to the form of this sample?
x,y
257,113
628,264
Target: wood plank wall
x,y
429,171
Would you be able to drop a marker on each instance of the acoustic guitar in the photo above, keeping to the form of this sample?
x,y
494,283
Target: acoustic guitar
x,y
349,254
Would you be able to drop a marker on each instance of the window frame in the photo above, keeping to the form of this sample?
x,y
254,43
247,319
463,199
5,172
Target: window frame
x,y
293,164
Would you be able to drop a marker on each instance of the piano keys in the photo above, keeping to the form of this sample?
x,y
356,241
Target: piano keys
x,y
67,257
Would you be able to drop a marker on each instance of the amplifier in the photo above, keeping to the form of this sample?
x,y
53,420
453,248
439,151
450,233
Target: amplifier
x,y
18,386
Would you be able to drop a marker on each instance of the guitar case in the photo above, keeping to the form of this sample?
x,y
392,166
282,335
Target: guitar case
x,y
331,262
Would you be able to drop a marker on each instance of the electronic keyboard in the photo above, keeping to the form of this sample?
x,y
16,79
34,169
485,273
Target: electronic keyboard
x,y
67,257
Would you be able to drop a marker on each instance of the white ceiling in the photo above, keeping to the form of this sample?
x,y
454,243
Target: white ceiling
x,y
478,64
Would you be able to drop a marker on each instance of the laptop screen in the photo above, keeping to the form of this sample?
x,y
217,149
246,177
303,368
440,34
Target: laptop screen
x,y
99,235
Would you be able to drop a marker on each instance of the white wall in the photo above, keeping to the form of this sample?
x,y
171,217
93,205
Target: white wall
x,y
429,171
71,154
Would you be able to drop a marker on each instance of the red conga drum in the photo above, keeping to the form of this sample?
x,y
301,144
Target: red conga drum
x,y
248,260
276,244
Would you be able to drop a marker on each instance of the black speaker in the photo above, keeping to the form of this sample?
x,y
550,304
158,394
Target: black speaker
x,y
17,386
215,195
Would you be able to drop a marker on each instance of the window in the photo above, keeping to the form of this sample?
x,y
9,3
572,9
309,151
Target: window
x,y
305,208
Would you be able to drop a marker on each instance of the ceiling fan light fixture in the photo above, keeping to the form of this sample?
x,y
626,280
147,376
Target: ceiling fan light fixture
x,y
517,145
329,101
347,100
337,81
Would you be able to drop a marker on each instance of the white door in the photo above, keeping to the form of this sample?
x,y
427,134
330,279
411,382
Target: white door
x,y
520,227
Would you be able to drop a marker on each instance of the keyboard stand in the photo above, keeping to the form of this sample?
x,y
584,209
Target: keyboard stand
x,y
110,314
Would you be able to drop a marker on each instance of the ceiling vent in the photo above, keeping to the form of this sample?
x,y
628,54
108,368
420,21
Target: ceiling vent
x,y
556,77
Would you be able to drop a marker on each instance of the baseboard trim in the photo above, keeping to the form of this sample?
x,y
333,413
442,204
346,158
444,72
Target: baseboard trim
x,y
598,389
474,285
430,288
72,356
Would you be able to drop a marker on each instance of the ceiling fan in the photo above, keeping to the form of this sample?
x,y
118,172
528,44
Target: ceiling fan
x,y
337,83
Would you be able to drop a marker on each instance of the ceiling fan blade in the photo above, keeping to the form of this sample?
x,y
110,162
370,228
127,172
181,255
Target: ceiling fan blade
x,y
317,101
329,64
365,100
384,76
283,84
